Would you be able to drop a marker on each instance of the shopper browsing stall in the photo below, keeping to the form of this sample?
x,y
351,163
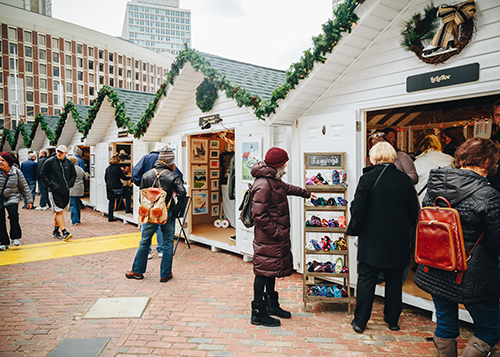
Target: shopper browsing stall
x,y
272,256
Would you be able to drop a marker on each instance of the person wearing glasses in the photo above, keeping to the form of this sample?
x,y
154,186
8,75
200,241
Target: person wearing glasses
x,y
59,175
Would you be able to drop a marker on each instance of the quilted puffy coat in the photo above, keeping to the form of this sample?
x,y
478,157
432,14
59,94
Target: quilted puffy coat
x,y
479,207
272,255
15,188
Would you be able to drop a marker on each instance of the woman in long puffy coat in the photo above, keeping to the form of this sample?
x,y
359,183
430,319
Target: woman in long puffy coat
x,y
272,256
478,204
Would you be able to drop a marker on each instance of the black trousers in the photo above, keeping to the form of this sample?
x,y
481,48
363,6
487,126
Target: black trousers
x,y
15,228
393,302
261,282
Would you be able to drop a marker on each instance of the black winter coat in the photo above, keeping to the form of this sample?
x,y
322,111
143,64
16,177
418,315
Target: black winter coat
x,y
113,176
272,256
59,176
384,218
170,182
479,207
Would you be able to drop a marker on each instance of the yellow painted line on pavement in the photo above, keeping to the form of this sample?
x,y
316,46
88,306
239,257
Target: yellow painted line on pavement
x,y
61,249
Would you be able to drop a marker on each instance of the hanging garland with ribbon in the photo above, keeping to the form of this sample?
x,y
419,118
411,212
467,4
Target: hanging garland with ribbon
x,y
458,21
206,95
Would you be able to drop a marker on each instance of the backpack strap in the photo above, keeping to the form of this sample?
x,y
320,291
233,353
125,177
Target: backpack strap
x,y
460,274
157,176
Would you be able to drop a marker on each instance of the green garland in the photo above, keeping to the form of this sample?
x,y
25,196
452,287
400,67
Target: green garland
x,y
419,29
206,95
344,18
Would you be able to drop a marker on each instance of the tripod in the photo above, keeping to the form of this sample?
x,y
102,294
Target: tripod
x,y
182,222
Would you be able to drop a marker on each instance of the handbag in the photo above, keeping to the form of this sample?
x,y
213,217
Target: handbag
x,y
153,208
440,241
246,208
118,191
246,215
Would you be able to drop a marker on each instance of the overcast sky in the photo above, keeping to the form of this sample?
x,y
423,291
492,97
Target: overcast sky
x,y
270,33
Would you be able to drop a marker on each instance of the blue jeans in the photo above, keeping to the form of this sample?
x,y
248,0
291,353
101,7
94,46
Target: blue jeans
x,y
75,209
147,231
32,185
159,240
486,317
44,194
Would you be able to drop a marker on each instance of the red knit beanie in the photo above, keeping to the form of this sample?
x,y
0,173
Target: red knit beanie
x,y
275,157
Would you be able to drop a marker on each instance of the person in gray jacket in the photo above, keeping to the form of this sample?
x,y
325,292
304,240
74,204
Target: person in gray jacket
x,y
76,192
13,185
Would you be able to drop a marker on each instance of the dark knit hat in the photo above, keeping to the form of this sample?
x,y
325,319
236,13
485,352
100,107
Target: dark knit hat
x,y
167,155
7,157
275,157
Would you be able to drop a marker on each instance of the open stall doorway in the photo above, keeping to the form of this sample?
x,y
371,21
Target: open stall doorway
x,y
470,116
212,185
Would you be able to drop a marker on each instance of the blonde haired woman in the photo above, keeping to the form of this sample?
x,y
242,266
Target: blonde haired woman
x,y
431,157
383,212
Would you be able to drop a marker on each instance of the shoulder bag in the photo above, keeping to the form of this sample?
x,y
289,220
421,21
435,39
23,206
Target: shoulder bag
x,y
246,216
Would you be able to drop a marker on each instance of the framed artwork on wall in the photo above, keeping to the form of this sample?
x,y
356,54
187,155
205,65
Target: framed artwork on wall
x,y
199,151
200,202
214,185
214,154
215,197
214,174
214,144
214,164
215,210
199,174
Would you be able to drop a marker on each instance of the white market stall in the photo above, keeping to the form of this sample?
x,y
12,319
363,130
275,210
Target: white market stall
x,y
205,142
368,82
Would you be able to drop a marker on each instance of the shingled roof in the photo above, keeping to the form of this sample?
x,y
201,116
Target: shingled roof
x,y
135,102
256,79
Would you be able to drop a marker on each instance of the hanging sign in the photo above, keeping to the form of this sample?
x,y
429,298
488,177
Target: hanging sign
x,y
325,161
209,119
122,134
443,78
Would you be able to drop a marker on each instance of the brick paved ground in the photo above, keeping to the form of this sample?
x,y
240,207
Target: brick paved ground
x,y
37,226
203,311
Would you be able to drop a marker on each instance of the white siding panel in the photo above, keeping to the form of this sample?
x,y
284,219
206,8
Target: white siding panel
x,y
379,76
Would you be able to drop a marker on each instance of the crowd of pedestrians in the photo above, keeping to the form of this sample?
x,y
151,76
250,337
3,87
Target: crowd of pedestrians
x,y
383,217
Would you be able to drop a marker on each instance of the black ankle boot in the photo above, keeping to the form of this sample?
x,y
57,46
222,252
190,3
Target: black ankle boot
x,y
273,306
260,315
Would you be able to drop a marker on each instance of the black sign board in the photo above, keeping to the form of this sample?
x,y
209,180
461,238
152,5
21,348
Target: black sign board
x,y
325,160
210,119
122,134
443,78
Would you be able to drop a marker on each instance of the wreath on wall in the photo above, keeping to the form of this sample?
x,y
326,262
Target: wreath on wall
x,y
421,30
206,95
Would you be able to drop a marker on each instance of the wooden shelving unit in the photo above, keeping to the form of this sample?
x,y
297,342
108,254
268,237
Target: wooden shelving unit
x,y
314,162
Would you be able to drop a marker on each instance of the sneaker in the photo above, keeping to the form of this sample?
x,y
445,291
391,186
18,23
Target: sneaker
x,y
67,235
164,280
132,275
3,247
16,242
232,238
160,255
46,208
150,256
57,235
40,208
